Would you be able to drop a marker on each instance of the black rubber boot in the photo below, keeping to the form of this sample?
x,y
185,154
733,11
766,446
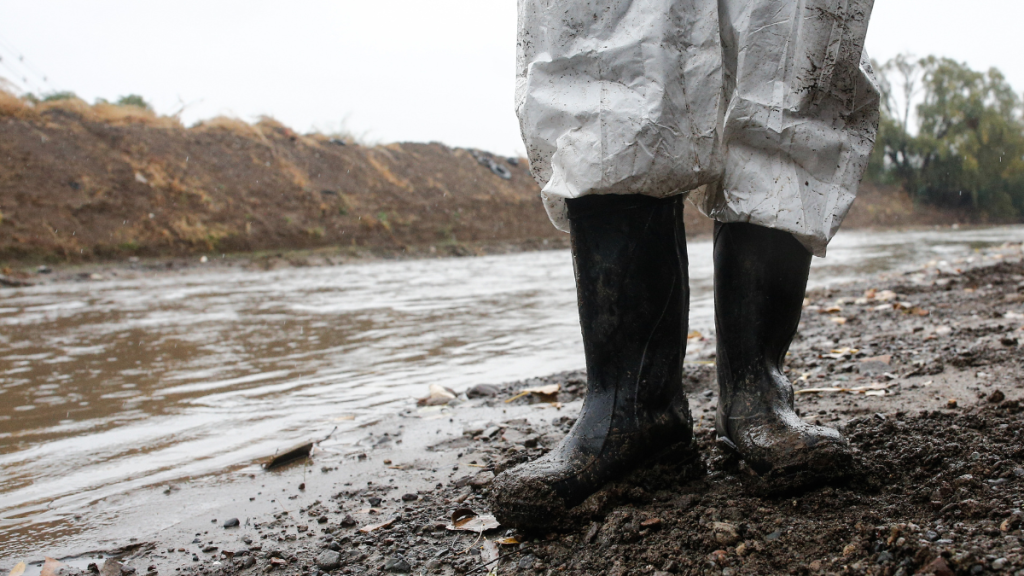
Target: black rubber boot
x,y
760,278
629,253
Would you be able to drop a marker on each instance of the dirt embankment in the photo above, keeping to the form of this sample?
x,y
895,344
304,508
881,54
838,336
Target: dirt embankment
x,y
105,182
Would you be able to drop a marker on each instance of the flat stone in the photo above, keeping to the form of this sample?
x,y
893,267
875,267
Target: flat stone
x,y
397,565
328,560
231,523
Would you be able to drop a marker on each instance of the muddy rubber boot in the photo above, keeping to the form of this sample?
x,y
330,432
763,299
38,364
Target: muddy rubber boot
x,y
629,254
760,278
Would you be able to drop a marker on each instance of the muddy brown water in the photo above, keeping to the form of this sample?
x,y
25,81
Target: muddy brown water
x,y
109,386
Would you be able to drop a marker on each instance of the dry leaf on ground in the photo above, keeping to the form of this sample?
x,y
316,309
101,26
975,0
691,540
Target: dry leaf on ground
x,y
466,520
372,527
439,396
18,569
50,567
547,393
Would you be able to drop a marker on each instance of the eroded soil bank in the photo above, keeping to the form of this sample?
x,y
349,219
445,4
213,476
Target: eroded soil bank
x,y
921,372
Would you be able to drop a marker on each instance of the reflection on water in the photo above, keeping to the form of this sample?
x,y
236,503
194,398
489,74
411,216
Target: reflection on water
x,y
110,385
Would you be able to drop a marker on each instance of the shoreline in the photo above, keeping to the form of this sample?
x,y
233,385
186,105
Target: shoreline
x,y
29,273
936,334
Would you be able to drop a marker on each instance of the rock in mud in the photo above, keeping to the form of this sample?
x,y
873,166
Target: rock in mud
x,y
482,391
231,523
328,560
725,533
397,565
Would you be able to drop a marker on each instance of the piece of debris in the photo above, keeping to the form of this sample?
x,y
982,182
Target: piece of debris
x,y
297,453
874,389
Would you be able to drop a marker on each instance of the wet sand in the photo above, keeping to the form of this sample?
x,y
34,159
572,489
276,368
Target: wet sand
x,y
921,372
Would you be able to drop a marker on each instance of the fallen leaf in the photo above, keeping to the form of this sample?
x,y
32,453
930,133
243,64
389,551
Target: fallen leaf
x,y
547,393
838,319
345,417
490,552
694,334
651,522
438,395
510,541
18,569
466,520
830,310
372,527
50,567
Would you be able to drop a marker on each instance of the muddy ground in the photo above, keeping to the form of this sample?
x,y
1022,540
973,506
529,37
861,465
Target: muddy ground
x,y
920,371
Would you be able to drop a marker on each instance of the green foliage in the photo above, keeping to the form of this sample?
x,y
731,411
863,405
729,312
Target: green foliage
x,y
968,151
62,95
134,100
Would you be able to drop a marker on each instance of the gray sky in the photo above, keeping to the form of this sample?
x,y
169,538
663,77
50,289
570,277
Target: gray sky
x,y
390,69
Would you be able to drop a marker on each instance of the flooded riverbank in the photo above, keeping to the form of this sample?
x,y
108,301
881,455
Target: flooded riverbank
x,y
107,386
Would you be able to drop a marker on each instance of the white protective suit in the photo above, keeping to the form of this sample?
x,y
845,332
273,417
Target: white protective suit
x,y
770,105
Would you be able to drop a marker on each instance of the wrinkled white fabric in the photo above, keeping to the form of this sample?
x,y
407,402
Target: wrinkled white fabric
x,y
768,106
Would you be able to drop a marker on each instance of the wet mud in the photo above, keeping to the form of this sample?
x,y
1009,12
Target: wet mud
x,y
920,372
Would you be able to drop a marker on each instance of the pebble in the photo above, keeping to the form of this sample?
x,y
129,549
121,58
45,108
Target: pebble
x,y
773,536
328,560
725,533
397,565
526,562
348,520
482,391
231,523
410,497
999,563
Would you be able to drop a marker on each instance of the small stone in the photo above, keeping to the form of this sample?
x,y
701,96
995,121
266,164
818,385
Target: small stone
x,y
302,486
938,567
773,536
999,563
231,523
490,432
849,550
526,562
348,521
249,562
931,535
884,557
374,501
328,560
996,397
482,391
725,533
410,497
397,565
481,479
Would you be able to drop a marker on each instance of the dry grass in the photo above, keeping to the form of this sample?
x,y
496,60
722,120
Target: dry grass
x,y
227,124
120,115
11,105
110,113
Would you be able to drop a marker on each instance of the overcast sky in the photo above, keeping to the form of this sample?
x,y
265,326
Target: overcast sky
x,y
414,70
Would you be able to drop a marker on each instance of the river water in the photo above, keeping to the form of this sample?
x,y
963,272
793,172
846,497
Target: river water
x,y
108,386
